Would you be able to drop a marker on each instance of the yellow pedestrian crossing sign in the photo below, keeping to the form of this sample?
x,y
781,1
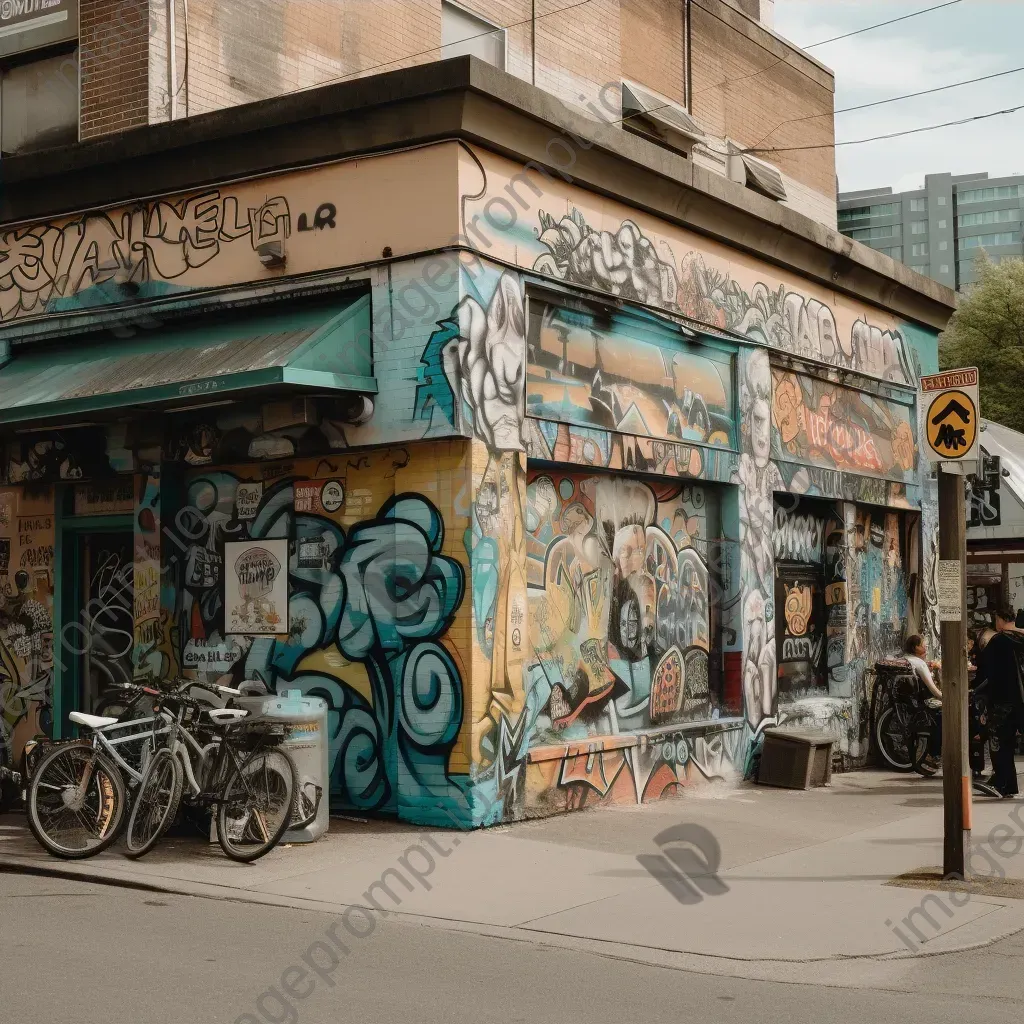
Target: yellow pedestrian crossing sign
x,y
952,414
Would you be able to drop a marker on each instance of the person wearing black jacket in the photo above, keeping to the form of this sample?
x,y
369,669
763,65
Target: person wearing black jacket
x,y
1000,663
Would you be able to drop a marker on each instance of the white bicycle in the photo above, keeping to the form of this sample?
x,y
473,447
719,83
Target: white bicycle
x,y
77,797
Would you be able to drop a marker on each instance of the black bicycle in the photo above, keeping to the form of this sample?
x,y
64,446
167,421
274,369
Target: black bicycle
x,y
240,770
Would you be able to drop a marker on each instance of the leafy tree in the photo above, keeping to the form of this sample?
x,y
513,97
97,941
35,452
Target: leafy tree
x,y
987,331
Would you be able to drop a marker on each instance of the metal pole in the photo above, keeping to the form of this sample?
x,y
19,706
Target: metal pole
x,y
956,772
172,62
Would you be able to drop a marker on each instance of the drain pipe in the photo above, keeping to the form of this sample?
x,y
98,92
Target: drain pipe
x,y
172,62
687,54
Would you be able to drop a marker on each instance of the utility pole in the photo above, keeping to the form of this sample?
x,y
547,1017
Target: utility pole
x,y
956,772
952,421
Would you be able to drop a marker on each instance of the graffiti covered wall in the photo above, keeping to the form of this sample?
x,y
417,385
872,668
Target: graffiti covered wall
x,y
210,238
26,613
557,229
377,622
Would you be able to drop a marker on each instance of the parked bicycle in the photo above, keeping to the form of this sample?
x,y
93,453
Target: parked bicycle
x,y
77,799
242,772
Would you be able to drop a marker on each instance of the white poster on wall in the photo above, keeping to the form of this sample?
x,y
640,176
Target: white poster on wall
x,y
256,587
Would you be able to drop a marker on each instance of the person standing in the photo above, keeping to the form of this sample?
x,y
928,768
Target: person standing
x,y
1000,664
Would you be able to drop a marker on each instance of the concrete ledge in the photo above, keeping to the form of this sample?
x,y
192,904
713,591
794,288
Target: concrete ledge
x,y
456,99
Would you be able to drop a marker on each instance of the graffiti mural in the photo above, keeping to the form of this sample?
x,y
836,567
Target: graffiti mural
x,y
26,614
212,237
578,775
619,593
626,263
373,592
824,424
626,374
610,247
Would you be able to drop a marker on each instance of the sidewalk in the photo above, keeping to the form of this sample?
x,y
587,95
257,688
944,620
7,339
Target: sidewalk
x,y
806,877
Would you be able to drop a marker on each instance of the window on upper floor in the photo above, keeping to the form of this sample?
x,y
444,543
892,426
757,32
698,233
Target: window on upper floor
x,y
1002,238
39,102
919,249
464,33
918,205
983,195
968,220
919,227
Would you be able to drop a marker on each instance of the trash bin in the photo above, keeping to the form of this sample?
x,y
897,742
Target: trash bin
x,y
796,759
305,720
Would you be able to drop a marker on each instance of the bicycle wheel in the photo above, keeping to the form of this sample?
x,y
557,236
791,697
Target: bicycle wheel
x,y
256,807
891,735
156,803
76,801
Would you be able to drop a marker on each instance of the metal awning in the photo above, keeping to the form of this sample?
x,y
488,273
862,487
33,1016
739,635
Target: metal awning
x,y
638,102
764,177
318,348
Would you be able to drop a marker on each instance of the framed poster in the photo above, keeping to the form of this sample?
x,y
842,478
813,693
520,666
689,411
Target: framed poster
x,y
256,587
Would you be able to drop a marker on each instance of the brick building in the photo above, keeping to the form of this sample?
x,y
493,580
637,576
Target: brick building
x,y
717,62
586,462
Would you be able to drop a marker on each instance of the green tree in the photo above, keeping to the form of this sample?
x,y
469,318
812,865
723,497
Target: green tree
x,y
987,331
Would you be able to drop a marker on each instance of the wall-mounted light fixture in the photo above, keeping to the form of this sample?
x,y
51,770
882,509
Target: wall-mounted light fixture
x,y
272,254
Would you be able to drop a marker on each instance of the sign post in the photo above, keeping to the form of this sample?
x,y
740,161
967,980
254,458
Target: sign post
x,y
952,426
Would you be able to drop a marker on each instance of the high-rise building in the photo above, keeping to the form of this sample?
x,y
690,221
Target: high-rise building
x,y
940,229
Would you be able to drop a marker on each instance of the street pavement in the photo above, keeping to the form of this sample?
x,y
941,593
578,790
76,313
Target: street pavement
x,y
800,895
78,952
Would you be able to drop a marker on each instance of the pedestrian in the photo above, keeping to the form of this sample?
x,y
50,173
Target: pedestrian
x,y
979,703
1001,664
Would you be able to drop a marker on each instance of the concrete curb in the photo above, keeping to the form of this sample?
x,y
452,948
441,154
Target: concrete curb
x,y
831,970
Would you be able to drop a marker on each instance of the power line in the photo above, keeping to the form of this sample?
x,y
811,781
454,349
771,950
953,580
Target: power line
x,y
867,28
892,99
882,24
890,135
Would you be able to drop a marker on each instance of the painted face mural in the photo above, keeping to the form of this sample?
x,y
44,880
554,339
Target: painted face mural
x,y
619,604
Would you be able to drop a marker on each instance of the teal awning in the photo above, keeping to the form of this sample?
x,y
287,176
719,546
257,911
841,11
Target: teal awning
x,y
319,348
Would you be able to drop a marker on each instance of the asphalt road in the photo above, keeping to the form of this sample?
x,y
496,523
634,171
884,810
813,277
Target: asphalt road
x,y
93,954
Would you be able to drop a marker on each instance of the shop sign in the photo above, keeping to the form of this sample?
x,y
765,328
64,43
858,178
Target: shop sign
x,y
29,24
100,499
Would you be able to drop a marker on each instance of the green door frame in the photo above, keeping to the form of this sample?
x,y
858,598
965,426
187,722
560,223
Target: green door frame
x,y
68,533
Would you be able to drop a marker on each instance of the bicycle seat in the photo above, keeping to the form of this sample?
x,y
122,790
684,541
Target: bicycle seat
x,y
221,716
91,721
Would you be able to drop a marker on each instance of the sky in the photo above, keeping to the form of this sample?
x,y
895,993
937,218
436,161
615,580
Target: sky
x,y
969,39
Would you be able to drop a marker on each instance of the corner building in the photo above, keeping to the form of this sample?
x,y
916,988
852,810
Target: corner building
x,y
581,464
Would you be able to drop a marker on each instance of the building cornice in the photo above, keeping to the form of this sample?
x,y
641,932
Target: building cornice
x,y
456,99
